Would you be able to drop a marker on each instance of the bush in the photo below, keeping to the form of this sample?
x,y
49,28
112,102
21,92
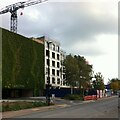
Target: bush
x,y
37,104
73,97
13,106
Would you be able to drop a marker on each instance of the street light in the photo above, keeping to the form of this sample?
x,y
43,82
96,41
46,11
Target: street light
x,y
82,91
48,83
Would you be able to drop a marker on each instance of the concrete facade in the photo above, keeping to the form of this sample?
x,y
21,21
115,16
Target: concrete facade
x,y
56,57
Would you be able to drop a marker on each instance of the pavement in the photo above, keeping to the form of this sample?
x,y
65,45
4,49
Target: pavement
x,y
59,103
11,114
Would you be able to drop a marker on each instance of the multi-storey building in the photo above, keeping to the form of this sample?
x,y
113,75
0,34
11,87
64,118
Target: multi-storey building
x,y
53,61
54,58
25,60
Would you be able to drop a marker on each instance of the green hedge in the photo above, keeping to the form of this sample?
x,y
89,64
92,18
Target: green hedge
x,y
22,62
73,97
13,106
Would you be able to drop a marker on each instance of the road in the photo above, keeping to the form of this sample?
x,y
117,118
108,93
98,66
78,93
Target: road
x,y
105,108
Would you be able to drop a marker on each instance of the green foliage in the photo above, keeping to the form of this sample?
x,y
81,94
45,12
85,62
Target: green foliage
x,y
114,84
98,83
73,97
85,72
78,71
21,105
71,70
23,63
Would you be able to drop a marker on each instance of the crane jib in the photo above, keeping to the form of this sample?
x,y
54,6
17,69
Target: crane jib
x,y
13,10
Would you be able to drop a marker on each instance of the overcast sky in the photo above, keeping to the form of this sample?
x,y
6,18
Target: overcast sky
x,y
86,28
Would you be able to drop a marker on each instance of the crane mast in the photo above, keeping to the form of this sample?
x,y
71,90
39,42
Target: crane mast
x,y
13,10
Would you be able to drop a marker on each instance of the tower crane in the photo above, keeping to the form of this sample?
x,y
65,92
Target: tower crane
x,y
13,10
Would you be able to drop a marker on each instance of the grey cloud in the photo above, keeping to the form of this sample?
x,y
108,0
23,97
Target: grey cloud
x,y
86,48
85,52
67,22
64,19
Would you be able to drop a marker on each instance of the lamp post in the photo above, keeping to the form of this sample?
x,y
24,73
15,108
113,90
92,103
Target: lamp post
x,y
82,91
48,82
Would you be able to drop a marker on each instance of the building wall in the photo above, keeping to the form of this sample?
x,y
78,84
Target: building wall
x,y
56,63
54,52
23,63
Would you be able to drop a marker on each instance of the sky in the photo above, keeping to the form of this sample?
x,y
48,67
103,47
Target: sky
x,y
87,28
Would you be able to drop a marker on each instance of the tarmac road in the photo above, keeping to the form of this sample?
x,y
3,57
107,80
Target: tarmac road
x,y
104,108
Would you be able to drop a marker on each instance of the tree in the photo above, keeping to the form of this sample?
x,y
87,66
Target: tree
x,y
98,83
71,70
114,84
78,71
85,72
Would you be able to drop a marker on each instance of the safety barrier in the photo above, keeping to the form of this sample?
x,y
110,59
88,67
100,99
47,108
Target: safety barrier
x,y
90,97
